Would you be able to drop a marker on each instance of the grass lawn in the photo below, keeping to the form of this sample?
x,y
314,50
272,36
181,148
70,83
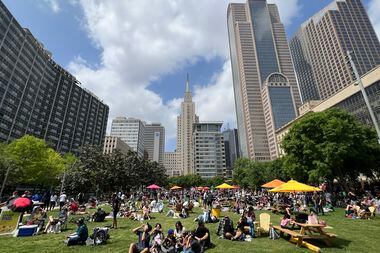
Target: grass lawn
x,y
353,236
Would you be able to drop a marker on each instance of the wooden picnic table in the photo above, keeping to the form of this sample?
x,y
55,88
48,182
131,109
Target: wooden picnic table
x,y
309,232
314,231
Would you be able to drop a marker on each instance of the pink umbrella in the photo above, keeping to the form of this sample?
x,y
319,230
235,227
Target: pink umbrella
x,y
153,186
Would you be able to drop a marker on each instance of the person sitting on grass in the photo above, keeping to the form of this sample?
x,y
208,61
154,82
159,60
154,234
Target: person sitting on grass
x,y
146,212
99,215
157,237
226,228
202,235
144,238
169,243
73,206
241,230
80,236
179,233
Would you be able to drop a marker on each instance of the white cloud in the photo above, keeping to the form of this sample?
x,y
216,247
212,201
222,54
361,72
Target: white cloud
x,y
53,5
373,12
141,40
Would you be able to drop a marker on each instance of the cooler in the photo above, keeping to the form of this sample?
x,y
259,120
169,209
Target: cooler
x,y
27,230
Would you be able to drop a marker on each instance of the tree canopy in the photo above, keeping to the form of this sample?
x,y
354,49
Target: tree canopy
x,y
330,145
104,173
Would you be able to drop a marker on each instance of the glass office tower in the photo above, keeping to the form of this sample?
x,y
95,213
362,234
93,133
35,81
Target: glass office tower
x,y
262,69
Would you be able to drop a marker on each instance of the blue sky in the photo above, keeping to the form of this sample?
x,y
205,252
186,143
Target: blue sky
x,y
137,62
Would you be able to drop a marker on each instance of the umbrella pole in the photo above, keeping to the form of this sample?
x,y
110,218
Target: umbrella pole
x,y
5,180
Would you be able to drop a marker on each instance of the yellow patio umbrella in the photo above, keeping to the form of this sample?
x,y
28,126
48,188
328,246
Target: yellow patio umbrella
x,y
273,184
175,187
225,186
294,186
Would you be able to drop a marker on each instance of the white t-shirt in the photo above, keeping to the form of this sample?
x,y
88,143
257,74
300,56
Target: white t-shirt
x,y
179,234
62,198
53,198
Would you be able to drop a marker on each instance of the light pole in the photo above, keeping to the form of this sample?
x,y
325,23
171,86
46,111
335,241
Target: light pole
x,y
5,180
359,82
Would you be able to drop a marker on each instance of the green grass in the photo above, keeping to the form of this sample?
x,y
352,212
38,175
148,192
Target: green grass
x,y
353,236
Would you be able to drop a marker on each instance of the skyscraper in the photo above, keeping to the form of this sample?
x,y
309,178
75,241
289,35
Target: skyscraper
x,y
170,164
265,87
185,123
40,98
208,150
319,48
112,143
155,142
131,131
231,147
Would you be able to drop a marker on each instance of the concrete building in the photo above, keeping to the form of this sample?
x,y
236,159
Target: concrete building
x,y
131,131
208,149
231,148
170,164
40,98
350,99
265,87
112,143
155,142
185,122
319,49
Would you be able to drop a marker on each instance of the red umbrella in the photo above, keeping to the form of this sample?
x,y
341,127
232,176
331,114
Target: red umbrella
x,y
153,186
21,205
206,188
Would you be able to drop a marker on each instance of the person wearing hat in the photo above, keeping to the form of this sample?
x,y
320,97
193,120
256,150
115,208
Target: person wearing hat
x,y
169,244
142,246
80,236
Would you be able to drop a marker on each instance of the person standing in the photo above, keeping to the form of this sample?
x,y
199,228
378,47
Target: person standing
x,y
115,209
46,200
80,198
53,201
62,200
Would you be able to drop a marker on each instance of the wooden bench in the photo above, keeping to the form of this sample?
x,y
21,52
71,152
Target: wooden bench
x,y
292,233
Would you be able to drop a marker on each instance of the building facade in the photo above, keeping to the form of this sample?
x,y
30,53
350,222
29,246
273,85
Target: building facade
x,y
208,150
40,98
170,164
131,131
185,122
231,149
155,142
263,75
350,99
112,143
320,46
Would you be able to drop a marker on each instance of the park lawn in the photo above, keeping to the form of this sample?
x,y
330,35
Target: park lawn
x,y
353,236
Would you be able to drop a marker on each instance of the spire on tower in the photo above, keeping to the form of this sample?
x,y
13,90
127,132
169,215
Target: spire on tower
x,y
187,83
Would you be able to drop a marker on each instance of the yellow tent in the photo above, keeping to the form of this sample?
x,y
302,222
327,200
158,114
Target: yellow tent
x,y
294,186
225,186
175,187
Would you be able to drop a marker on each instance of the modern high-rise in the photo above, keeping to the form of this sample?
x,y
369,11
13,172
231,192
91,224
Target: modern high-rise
x,y
170,164
155,142
231,147
208,150
265,86
112,143
320,46
185,122
131,131
40,98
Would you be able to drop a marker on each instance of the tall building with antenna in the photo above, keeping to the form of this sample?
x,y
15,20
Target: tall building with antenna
x,y
185,122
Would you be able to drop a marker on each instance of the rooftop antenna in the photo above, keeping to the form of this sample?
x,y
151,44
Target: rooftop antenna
x,y
187,83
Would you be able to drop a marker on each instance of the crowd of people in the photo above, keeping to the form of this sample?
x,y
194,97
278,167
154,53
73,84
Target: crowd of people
x,y
141,205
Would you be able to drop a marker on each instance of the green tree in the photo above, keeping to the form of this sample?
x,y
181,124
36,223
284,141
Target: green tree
x,y
330,144
248,173
33,162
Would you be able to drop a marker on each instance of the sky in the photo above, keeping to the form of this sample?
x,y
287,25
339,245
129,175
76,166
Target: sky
x,y
135,54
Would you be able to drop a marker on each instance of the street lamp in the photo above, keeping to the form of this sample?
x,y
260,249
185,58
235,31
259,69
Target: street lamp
x,y
359,82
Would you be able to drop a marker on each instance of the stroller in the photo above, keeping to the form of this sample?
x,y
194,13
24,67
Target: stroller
x,y
100,235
